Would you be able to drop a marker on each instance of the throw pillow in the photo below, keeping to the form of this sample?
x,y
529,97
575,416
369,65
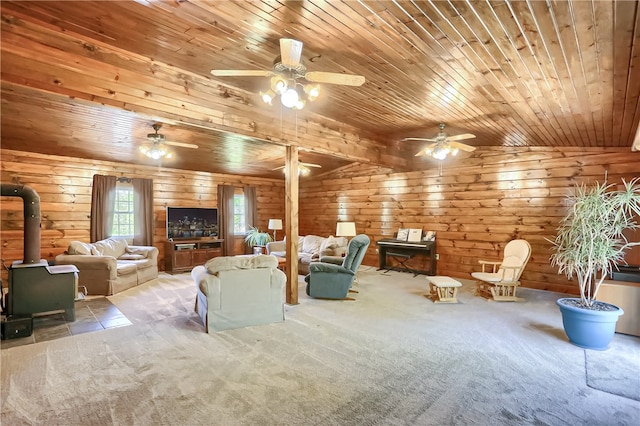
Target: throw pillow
x,y
114,247
311,244
78,247
329,243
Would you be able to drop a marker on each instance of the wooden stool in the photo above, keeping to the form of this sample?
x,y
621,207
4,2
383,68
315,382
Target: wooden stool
x,y
443,289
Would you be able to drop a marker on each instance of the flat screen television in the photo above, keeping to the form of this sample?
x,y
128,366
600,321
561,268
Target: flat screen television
x,y
192,222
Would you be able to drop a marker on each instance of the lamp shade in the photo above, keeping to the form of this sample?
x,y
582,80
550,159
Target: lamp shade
x,y
275,224
346,229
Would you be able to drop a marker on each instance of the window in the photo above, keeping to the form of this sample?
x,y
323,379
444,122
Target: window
x,y
123,213
239,215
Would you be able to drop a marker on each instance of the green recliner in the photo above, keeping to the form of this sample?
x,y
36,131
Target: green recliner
x,y
330,281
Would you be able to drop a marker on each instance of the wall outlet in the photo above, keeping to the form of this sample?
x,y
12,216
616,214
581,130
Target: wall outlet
x,y
437,256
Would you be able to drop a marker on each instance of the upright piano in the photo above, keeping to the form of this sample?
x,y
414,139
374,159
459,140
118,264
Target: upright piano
x,y
406,250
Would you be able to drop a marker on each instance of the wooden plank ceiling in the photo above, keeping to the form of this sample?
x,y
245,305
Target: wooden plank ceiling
x,y
89,78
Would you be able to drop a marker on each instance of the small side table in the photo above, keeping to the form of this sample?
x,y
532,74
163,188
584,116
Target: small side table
x,y
443,289
282,263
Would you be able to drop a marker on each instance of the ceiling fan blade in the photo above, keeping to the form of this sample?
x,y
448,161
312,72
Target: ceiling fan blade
x,y
424,150
461,137
335,78
302,164
462,146
418,139
241,73
290,52
182,144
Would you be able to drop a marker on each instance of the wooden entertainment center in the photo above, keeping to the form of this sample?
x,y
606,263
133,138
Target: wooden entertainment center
x,y
184,255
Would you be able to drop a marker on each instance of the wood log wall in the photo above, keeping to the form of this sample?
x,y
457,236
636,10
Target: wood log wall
x,y
64,187
476,206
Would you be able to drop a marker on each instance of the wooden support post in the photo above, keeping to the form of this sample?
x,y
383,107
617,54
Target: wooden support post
x,y
291,214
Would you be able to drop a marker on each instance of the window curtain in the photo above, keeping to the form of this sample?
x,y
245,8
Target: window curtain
x,y
225,218
103,198
143,211
250,211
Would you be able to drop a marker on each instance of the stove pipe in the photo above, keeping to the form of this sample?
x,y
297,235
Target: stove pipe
x,y
31,201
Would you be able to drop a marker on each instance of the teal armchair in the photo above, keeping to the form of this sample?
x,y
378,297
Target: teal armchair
x,y
330,281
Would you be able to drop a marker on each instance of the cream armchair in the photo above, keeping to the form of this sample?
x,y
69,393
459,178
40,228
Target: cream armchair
x,y
502,282
239,291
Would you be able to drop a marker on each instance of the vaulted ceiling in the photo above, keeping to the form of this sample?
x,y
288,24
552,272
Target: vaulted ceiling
x,y
89,78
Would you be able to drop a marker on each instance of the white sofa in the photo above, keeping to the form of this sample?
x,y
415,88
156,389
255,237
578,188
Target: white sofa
x,y
310,249
239,291
110,266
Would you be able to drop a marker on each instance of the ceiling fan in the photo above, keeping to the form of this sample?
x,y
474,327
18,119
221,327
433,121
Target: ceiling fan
x,y
443,144
157,148
303,168
160,138
289,76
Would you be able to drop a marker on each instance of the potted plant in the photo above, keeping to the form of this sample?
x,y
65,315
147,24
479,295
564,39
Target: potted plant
x,y
257,239
589,244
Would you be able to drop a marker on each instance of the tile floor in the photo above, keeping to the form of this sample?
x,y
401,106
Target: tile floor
x,y
92,314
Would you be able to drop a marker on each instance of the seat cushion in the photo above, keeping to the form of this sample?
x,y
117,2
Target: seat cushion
x,y
126,268
487,276
131,256
307,258
139,263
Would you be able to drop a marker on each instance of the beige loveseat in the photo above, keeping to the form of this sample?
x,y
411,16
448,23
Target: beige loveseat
x,y
310,249
239,291
110,266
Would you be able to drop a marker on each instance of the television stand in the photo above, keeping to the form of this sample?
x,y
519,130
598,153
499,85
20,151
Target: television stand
x,y
184,255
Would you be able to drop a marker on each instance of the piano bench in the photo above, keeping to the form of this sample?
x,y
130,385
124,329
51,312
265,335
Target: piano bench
x,y
401,258
443,289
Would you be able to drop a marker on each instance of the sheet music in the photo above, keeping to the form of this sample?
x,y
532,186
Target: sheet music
x,y
414,235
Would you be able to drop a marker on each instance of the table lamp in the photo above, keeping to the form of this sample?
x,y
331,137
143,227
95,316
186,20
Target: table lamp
x,y
346,229
275,224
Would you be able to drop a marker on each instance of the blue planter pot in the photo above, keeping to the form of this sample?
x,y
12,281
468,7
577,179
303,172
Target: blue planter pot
x,y
589,328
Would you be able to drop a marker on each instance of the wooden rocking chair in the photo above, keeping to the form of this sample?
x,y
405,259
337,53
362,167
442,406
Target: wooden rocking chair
x,y
502,282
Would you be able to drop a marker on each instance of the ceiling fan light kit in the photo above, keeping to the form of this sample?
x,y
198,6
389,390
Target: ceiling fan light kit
x,y
156,151
284,79
303,168
291,95
441,152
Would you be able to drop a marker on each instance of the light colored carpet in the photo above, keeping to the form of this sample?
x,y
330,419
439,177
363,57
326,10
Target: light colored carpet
x,y
391,357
